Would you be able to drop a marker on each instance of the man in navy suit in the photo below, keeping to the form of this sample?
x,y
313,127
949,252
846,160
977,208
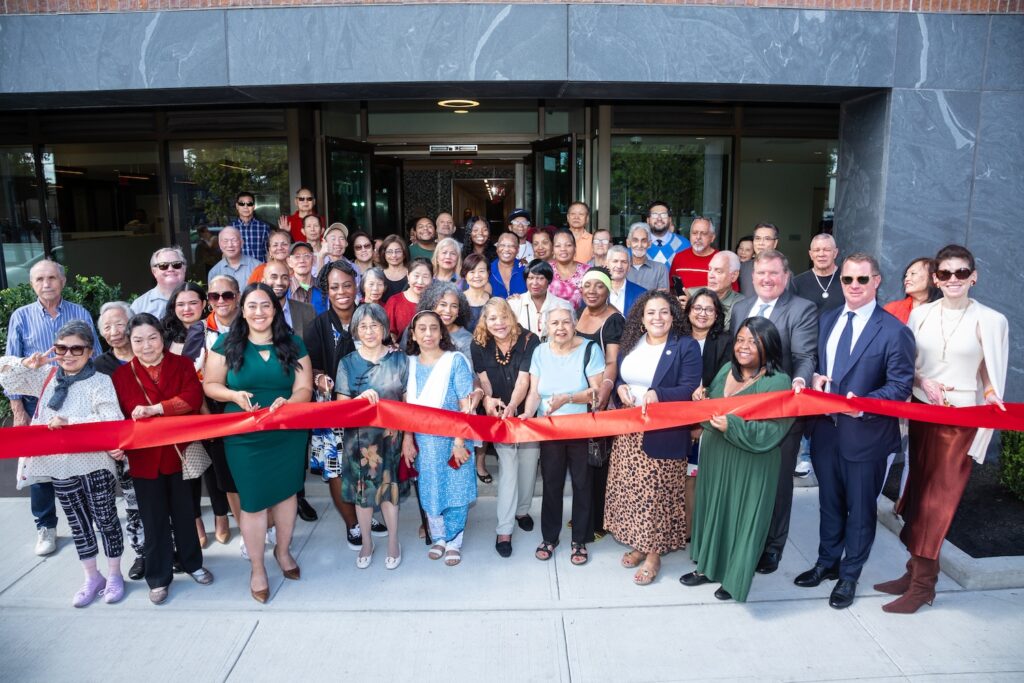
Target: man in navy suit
x,y
862,351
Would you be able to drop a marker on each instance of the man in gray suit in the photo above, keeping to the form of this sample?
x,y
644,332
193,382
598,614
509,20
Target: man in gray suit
x,y
766,237
797,322
278,277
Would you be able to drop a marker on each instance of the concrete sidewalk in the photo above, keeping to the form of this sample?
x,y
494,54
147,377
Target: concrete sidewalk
x,y
489,618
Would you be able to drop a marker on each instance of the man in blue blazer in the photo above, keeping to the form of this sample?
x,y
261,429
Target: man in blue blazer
x,y
624,292
866,352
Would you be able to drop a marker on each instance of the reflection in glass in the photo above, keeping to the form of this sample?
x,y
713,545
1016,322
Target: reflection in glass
x,y
20,215
346,185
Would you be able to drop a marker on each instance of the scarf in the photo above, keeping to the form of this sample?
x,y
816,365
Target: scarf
x,y
63,382
436,387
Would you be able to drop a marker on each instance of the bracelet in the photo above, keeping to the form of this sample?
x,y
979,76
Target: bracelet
x,y
607,379
988,391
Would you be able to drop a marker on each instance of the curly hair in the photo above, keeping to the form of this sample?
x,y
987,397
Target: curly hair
x,y
412,348
634,329
436,291
719,325
285,348
482,336
340,265
174,329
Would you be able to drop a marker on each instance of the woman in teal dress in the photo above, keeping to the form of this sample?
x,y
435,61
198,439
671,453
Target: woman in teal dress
x,y
369,464
739,467
260,363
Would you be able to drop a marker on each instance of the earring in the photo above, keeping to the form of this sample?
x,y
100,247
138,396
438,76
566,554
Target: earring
x,y
972,283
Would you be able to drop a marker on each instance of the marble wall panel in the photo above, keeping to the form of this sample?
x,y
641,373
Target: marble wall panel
x,y
1005,62
129,50
685,44
997,214
861,180
941,51
420,42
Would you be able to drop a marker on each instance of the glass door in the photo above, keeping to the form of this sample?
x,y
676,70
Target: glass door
x,y
348,182
386,190
554,179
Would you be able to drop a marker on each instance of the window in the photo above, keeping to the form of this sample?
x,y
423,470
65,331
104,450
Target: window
x,y
20,215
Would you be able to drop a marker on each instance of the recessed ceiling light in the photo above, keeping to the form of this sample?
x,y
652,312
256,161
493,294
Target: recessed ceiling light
x,y
461,111
458,104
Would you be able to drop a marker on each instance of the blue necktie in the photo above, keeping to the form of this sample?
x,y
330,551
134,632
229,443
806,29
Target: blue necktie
x,y
843,351
761,310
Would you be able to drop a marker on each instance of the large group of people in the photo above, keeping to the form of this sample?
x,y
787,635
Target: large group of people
x,y
521,322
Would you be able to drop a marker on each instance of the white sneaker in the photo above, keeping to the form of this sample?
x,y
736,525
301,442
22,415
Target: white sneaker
x,y
272,536
241,548
46,541
803,467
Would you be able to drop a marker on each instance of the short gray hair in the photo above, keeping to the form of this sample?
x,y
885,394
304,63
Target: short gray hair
x,y
709,221
60,268
564,306
115,306
640,225
374,312
618,249
77,328
174,247
734,260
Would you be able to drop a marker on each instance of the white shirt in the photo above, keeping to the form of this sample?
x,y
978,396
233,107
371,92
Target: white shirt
x,y
530,317
638,368
617,297
768,311
860,320
525,253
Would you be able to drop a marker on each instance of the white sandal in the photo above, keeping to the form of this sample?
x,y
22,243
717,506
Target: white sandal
x,y
436,551
393,562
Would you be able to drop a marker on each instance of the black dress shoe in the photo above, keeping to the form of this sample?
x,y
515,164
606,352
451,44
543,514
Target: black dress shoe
x,y
693,579
504,548
723,594
306,511
769,562
525,522
177,568
843,594
138,569
815,575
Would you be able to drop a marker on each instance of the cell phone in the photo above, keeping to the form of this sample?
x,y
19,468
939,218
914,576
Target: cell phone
x,y
453,463
677,285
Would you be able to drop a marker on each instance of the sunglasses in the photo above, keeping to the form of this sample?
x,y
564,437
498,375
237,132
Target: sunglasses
x,y
360,247
943,275
305,199
217,296
246,204
76,350
861,279
176,265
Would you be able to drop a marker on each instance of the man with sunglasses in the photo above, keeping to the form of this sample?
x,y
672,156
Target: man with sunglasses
x,y
255,232
862,351
168,267
305,200
32,329
235,263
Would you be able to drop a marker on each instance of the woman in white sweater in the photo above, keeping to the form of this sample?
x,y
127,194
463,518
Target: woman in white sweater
x,y
73,392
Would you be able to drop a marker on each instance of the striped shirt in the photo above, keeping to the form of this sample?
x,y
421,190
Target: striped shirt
x,y
32,330
664,248
255,234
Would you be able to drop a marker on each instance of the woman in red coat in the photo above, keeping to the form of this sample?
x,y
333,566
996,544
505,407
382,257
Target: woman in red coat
x,y
152,384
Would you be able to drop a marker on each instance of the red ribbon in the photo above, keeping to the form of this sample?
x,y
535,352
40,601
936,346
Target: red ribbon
x,y
129,434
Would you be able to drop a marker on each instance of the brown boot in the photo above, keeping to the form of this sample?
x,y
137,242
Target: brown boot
x,y
924,575
896,586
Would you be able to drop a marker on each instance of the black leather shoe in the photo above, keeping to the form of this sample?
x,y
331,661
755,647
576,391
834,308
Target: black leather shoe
x,y
504,548
843,594
693,579
525,522
306,511
177,568
815,575
769,562
723,594
138,569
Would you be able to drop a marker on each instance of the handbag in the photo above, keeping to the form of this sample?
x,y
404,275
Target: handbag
x,y
22,480
597,448
325,447
195,460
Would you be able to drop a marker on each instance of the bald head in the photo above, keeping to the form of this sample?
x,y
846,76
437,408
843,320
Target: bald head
x,y
278,277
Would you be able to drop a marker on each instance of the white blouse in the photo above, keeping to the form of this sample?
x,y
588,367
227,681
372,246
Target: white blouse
x,y
638,367
88,400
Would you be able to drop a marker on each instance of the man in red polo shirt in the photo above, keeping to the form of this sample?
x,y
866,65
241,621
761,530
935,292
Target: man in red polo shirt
x,y
691,264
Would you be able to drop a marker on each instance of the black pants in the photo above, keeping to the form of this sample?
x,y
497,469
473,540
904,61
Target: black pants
x,y
555,458
218,499
778,531
164,501
599,477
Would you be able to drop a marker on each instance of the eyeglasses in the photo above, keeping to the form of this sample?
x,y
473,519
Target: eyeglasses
x,y
394,252
601,241
246,204
520,224
76,350
217,296
360,247
658,214
304,199
944,275
706,310
861,279
177,265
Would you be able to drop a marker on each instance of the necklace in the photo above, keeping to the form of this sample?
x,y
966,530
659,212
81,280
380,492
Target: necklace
x,y
824,290
500,357
942,328
746,383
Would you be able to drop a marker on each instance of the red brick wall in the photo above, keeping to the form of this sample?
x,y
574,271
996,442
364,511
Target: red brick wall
x,y
77,6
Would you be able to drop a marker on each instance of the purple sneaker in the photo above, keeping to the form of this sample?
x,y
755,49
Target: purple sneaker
x,y
92,587
114,590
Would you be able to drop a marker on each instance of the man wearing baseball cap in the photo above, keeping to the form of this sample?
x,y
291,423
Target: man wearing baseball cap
x,y
519,224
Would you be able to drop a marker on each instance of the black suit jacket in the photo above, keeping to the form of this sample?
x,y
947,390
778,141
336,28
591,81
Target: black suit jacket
x,y
796,320
302,316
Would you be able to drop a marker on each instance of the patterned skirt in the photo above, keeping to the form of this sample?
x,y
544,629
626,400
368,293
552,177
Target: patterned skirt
x,y
644,506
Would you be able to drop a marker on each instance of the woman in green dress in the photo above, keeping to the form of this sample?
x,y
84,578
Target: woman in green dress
x,y
260,363
739,467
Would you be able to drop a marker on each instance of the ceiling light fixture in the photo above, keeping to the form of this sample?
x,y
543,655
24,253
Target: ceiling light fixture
x,y
458,104
461,111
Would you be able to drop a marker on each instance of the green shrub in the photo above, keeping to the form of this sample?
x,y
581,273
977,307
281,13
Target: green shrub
x,y
90,292
1011,462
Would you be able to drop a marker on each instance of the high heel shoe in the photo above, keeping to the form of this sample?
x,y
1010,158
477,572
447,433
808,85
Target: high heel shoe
x,y
924,574
293,574
261,596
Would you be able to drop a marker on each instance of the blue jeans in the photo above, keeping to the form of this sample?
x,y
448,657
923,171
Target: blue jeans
x,y
44,503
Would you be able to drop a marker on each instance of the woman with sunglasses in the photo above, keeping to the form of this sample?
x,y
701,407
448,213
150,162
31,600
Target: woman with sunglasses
x,y
962,348
918,285
185,331
155,384
362,251
73,392
306,203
